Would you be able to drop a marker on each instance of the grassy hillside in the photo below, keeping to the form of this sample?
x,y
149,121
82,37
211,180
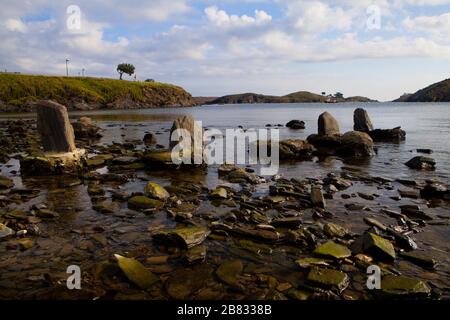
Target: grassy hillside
x,y
437,92
296,97
20,91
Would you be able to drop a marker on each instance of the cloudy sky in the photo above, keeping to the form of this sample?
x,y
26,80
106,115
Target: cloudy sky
x,y
214,48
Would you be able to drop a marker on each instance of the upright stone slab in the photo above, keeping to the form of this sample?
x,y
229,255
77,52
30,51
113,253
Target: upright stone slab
x,y
361,121
328,125
60,154
54,127
196,136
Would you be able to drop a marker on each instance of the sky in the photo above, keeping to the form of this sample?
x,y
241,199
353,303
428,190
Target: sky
x,y
375,48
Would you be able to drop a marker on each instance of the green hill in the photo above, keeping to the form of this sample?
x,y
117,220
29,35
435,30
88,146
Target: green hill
x,y
437,92
296,97
19,92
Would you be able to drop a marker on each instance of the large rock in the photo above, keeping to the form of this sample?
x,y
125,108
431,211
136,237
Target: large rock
x,y
421,163
155,191
296,124
189,124
184,238
295,149
405,287
328,279
356,144
85,128
328,125
376,246
395,135
361,121
54,127
333,250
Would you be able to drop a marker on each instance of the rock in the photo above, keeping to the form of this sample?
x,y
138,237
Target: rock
x,y
395,135
328,279
125,160
361,121
295,124
325,142
307,263
54,163
333,250
136,272
258,234
85,128
46,214
420,260
432,190
376,246
228,272
150,139
155,191
183,283
426,151
184,237
405,287
196,254
414,212
413,194
356,144
189,124
328,125
287,222
218,193
333,230
54,127
317,198
295,149
366,196
158,159
143,203
5,232
5,183
421,163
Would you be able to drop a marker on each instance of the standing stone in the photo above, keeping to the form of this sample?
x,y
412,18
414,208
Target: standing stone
x,y
361,121
189,124
54,127
328,125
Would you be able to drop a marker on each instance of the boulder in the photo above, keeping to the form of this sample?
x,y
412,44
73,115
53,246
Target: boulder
x,y
355,144
54,163
54,127
328,125
85,128
150,139
432,190
295,149
421,163
189,124
295,124
361,121
396,134
322,142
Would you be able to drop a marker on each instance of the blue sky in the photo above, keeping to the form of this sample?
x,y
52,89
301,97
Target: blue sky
x,y
214,48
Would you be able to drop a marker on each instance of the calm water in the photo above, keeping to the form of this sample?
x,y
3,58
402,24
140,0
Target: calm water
x,y
427,125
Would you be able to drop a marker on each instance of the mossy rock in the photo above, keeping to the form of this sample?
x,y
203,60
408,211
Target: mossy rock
x,y
154,190
334,230
334,250
378,247
136,272
306,263
143,203
328,279
219,193
400,286
229,271
185,238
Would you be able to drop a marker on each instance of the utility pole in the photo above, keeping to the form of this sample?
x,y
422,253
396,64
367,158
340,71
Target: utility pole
x,y
67,67
82,72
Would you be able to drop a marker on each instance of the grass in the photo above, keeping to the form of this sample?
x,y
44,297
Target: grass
x,y
15,89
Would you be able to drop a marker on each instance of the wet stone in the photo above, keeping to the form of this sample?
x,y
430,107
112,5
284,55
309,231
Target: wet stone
x,y
420,260
219,193
196,254
143,203
405,287
136,272
184,237
376,246
333,230
421,163
317,196
328,279
155,191
5,232
333,250
229,271
306,263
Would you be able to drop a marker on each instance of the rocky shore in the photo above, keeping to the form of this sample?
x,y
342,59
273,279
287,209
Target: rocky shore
x,y
141,228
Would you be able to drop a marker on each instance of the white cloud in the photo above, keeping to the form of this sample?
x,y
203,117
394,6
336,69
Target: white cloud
x,y
433,24
15,25
222,19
